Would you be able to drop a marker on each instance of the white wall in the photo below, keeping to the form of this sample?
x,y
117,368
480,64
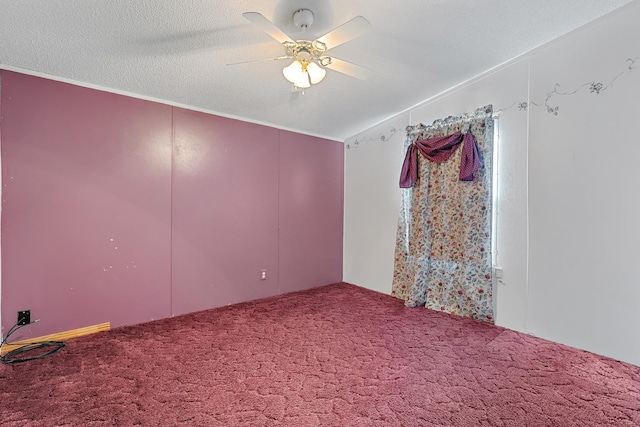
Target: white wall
x,y
568,214
584,277
372,203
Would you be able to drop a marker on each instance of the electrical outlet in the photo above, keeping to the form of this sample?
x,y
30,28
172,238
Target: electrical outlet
x,y
263,274
24,317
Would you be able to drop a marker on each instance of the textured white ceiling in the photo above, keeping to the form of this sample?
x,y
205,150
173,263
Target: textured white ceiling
x,y
177,51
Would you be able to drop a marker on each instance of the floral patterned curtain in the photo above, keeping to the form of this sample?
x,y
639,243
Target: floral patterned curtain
x,y
443,245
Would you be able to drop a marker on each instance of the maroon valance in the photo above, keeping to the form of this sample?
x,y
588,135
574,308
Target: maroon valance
x,y
438,150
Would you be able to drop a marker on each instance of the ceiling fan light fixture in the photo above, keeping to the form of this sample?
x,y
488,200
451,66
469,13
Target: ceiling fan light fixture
x,y
297,74
316,73
303,74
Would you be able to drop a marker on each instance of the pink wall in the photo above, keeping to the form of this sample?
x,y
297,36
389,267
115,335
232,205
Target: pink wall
x,y
311,179
122,210
225,211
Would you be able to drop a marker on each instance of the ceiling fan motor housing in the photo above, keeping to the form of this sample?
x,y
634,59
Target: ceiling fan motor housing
x,y
303,18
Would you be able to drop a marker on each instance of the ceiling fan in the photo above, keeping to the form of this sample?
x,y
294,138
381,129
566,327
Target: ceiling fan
x,y
310,59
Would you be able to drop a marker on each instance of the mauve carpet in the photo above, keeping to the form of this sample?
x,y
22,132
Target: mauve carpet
x,y
338,355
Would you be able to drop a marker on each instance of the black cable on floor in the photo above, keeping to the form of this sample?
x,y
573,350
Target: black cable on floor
x,y
28,350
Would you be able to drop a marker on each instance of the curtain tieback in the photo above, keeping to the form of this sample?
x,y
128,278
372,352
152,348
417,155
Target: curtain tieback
x,y
438,150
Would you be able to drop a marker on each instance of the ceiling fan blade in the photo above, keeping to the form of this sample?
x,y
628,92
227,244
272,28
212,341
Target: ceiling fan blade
x,y
267,26
349,69
345,32
278,58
